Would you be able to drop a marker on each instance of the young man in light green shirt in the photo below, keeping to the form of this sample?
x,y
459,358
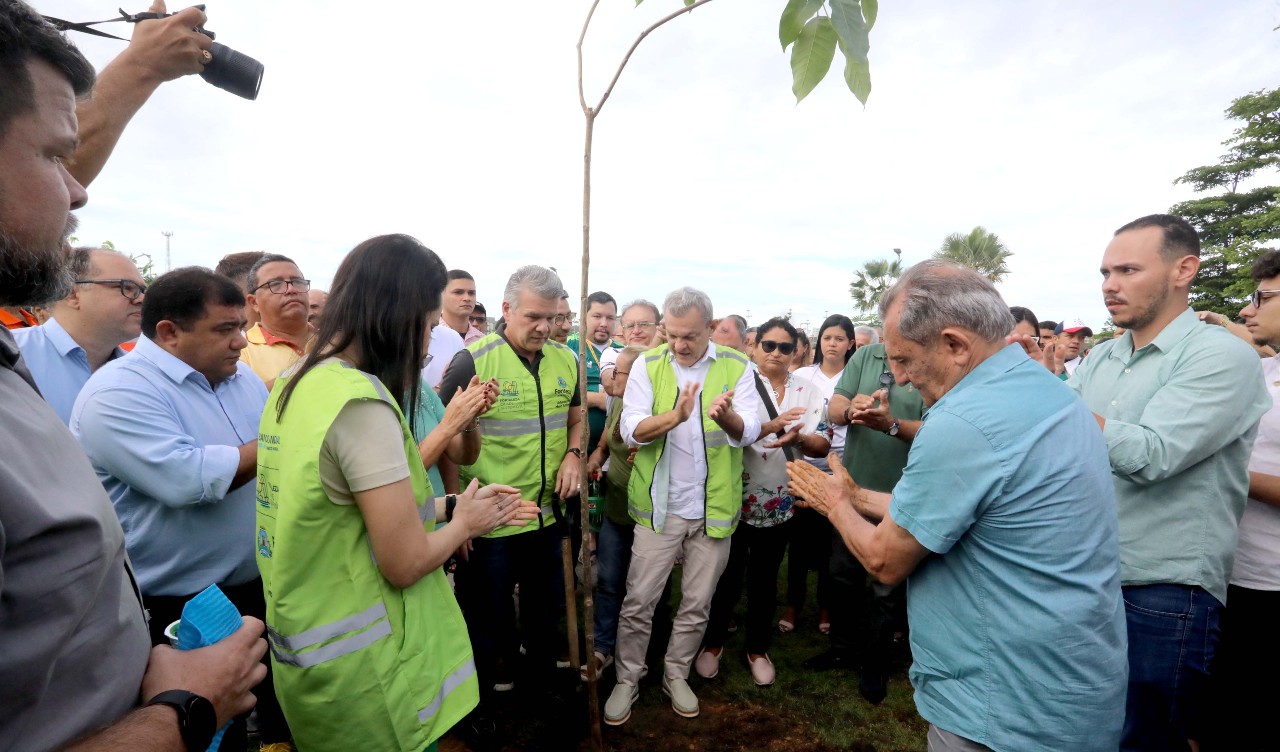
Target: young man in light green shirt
x,y
1178,403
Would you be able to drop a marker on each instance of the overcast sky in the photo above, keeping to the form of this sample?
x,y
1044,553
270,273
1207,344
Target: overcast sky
x,y
1050,123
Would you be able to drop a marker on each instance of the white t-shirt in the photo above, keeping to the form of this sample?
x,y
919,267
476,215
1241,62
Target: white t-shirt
x,y
445,343
835,434
766,500
1257,564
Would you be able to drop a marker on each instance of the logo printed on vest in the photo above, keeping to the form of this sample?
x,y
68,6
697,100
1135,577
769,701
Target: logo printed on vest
x,y
266,493
264,544
509,390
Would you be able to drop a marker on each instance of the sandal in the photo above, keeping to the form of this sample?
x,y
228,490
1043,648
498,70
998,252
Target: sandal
x,y
824,627
785,626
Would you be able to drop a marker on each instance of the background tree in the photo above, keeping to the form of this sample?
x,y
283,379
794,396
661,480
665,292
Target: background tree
x,y
980,250
870,282
1235,224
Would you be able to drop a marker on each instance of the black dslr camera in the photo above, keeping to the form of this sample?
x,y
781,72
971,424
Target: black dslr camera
x,y
229,70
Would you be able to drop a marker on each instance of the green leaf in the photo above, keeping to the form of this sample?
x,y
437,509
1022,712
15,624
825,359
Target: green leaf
x,y
857,74
870,9
846,17
812,55
793,19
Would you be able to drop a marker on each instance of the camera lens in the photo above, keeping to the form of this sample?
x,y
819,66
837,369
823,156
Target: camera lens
x,y
233,71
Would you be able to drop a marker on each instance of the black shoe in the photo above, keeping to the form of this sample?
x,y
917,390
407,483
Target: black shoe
x,y
829,660
480,733
873,686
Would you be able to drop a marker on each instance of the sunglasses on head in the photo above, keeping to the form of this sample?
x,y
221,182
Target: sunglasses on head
x,y
786,348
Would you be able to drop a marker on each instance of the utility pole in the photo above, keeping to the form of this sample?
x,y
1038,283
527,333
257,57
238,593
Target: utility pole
x,y
168,262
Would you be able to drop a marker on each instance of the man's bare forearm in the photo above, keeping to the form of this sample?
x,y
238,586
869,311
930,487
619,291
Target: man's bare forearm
x,y
152,729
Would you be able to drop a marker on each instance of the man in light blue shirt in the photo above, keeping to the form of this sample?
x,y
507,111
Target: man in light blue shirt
x,y
103,310
171,430
1179,403
1004,525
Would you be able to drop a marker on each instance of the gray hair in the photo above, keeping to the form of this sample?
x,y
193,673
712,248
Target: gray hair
x,y
538,280
687,299
641,302
739,323
936,294
871,333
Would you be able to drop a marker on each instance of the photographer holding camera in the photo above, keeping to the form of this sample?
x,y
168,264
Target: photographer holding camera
x,y
164,48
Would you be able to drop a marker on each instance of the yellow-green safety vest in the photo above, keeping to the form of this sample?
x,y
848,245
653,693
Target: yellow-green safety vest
x,y
524,436
358,663
650,481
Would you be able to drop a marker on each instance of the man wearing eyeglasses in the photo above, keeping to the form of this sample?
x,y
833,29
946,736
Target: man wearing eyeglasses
x,y
86,328
278,293
479,319
1249,648
639,326
1178,404
883,419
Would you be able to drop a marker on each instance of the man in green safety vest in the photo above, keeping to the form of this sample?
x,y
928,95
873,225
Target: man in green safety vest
x,y
602,318
690,406
531,439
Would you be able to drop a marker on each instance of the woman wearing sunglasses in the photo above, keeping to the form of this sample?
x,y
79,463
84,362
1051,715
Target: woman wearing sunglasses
x,y
810,545
790,409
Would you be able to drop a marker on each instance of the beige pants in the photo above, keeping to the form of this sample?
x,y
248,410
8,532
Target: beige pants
x,y
652,557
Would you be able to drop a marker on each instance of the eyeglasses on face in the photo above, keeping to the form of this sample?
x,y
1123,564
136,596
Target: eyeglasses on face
x,y
477,319
641,325
786,348
128,288
1259,296
278,286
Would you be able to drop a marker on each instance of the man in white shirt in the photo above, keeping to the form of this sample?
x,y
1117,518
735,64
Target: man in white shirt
x,y
685,492
1249,648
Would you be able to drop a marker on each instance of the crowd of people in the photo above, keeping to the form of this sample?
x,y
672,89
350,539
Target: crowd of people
x,y
1057,531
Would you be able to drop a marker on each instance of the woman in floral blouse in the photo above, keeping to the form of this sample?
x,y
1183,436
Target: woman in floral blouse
x,y
767,506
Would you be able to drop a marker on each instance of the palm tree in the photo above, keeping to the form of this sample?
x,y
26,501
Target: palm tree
x,y
873,280
980,250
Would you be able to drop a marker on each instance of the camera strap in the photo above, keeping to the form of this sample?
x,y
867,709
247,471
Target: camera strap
x,y
84,26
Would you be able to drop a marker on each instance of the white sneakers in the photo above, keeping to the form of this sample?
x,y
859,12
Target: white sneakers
x,y
762,670
617,709
708,663
683,700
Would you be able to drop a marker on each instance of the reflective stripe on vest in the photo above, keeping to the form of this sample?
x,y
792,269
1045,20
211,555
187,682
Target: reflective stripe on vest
x,y
450,683
522,426
286,649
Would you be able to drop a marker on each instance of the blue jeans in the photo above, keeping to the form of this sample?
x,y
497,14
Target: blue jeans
x,y
613,558
1173,634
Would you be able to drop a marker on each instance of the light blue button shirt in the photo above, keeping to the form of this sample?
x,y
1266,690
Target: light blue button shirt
x,y
165,446
59,365
1017,626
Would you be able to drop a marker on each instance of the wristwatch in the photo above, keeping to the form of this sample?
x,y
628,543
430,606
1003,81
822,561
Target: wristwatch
x,y
197,719
450,503
576,451
892,430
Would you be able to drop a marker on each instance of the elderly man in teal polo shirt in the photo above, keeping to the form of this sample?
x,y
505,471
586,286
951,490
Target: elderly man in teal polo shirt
x,y
1003,522
1178,403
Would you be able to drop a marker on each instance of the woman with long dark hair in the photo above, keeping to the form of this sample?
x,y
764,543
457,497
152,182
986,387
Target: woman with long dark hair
x,y
810,543
368,645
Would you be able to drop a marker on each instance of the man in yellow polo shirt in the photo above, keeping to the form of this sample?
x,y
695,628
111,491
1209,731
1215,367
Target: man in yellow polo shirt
x,y
278,294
